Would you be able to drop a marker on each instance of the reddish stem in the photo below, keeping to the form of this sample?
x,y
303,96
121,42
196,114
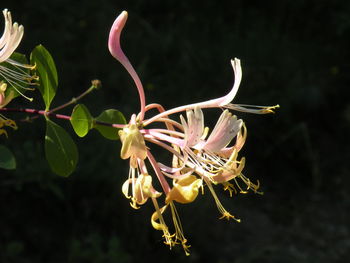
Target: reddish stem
x,y
58,116
37,112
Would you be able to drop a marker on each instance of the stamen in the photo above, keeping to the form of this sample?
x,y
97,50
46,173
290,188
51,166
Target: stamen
x,y
252,108
250,185
178,229
222,210
230,187
12,83
6,122
239,187
18,64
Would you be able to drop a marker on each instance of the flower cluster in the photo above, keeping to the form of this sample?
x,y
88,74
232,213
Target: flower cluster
x,y
12,72
200,158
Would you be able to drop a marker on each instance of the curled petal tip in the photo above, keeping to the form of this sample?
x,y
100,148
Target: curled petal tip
x,y
114,35
235,62
236,65
123,17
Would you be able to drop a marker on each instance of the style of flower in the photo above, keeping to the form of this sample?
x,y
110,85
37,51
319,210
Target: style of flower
x,y
199,159
11,71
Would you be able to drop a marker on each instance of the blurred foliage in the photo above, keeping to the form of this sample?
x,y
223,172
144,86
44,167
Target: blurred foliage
x,y
295,53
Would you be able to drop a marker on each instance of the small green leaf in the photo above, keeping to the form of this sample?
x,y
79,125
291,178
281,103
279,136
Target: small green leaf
x,y
60,150
7,159
81,120
47,73
109,116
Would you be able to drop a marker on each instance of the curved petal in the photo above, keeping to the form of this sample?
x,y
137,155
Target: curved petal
x,y
133,144
236,65
195,126
219,102
185,190
224,131
11,37
157,216
144,185
117,52
125,188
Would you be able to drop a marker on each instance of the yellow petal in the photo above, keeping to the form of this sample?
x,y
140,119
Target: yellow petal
x,y
185,190
241,138
125,188
142,189
157,215
147,188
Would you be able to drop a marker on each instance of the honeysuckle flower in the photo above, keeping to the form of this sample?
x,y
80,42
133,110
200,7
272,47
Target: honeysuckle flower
x,y
16,75
142,189
199,158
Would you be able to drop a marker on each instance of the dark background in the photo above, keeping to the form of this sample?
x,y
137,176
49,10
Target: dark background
x,y
294,53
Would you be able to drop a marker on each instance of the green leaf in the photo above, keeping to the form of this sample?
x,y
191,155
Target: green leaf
x,y
47,73
81,120
7,159
109,116
60,150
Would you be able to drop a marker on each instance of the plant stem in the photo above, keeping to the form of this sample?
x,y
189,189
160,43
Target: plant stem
x,y
36,112
58,116
95,85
